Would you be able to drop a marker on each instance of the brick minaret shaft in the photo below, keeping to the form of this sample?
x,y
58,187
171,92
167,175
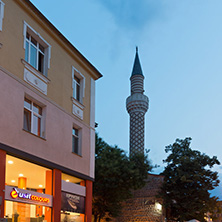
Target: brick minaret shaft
x,y
137,105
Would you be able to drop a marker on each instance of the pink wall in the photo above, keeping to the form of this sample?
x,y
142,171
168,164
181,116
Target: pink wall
x,y
57,147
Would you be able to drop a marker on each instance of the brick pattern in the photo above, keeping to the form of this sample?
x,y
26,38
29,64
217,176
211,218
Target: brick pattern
x,y
140,209
143,205
137,132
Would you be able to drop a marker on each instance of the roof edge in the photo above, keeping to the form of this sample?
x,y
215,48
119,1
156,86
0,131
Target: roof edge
x,y
61,36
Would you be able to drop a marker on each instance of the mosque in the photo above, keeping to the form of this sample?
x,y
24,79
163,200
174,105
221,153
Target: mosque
x,y
144,205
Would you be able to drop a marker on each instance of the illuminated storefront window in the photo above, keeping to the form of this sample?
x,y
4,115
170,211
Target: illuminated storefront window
x,y
16,212
72,179
28,191
68,216
73,204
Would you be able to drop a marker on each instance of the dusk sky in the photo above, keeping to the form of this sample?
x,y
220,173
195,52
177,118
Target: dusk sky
x,y
180,50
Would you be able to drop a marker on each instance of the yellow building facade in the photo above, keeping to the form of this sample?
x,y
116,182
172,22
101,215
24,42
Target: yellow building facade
x,y
47,120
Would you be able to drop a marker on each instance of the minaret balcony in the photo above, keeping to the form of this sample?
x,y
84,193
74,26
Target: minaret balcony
x,y
137,103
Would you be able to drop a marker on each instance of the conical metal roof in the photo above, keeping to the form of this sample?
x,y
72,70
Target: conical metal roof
x,y
137,70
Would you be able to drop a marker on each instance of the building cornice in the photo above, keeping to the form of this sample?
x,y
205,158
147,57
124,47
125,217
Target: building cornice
x,y
61,39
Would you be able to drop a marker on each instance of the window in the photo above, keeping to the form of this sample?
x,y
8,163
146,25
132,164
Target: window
x,y
37,50
34,53
76,88
78,85
76,141
1,13
71,179
33,118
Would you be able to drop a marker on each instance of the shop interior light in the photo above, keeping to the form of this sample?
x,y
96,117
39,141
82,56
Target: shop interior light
x,y
10,162
67,180
13,181
158,206
21,175
40,185
75,214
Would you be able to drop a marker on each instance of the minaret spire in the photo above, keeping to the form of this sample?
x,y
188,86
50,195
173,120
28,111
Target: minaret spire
x,y
137,105
137,70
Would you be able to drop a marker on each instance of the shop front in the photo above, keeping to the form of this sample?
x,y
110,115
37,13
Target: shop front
x,y
33,193
28,191
72,199
73,207
23,205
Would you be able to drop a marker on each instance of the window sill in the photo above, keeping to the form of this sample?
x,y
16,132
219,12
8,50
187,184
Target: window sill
x,y
77,154
35,78
76,102
34,135
35,71
77,108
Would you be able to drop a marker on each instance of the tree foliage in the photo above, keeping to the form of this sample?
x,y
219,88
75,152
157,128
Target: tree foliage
x,y
187,182
115,176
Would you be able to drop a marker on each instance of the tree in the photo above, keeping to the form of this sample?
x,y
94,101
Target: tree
x,y
115,176
187,182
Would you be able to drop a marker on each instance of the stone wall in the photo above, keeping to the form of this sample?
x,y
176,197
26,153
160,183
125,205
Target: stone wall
x,y
144,205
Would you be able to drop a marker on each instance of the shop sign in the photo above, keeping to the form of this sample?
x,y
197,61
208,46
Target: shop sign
x,y
27,196
73,203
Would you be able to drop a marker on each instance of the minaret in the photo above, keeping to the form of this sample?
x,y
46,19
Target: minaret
x,y
137,105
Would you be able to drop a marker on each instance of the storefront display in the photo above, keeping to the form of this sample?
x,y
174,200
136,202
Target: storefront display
x,y
28,191
73,203
22,212
28,195
72,217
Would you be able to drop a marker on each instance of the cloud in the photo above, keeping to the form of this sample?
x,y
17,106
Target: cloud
x,y
133,14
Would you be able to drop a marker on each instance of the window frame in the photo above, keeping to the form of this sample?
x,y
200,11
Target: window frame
x,y
40,41
78,137
77,74
40,130
2,4
37,47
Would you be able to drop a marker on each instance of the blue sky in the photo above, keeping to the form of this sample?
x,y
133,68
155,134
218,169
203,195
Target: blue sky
x,y
180,51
